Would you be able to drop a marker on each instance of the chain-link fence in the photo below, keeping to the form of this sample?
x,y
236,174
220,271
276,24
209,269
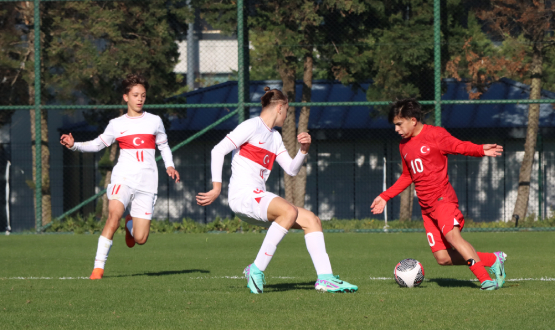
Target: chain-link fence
x,y
481,74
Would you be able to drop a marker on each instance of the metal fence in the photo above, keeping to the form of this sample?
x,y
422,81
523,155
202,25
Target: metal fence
x,y
207,62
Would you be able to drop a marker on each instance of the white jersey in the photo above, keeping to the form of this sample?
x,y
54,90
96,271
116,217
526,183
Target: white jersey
x,y
137,138
256,148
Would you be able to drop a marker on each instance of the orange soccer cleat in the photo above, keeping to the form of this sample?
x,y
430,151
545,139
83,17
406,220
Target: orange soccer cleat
x,y
129,240
97,274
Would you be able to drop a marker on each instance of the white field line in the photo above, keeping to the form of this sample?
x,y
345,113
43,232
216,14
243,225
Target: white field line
x,y
541,279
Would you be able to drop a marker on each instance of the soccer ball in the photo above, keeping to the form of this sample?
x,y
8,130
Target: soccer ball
x,y
409,273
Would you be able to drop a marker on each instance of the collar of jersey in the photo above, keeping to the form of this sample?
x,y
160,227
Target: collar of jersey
x,y
415,138
141,116
269,129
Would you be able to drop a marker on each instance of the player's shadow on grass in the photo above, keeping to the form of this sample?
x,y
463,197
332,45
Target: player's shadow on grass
x,y
289,286
450,282
167,272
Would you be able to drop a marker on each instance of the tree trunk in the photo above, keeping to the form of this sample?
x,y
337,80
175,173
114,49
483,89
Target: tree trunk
x,y
521,204
289,131
300,180
407,198
27,11
45,162
107,180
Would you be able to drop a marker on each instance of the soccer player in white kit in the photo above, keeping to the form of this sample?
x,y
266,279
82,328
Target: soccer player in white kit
x,y
135,177
256,145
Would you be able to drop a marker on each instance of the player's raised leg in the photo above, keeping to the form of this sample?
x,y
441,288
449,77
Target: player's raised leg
x,y
115,212
140,229
316,245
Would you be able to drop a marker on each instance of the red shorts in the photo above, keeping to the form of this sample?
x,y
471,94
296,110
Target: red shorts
x,y
441,221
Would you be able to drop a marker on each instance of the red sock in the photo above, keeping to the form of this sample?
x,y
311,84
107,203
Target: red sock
x,y
480,272
487,258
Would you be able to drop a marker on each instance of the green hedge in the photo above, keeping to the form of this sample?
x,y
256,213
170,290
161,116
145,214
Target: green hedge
x,y
90,224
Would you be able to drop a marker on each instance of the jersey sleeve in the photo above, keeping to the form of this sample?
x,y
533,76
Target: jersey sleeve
x,y
161,136
291,166
103,140
109,135
448,144
400,185
89,146
279,142
242,133
218,155
163,146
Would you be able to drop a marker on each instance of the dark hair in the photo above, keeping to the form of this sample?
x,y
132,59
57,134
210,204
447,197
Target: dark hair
x,y
405,108
271,96
133,79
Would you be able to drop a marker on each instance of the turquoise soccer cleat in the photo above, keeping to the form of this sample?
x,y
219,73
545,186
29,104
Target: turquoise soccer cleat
x,y
489,285
255,278
498,268
331,283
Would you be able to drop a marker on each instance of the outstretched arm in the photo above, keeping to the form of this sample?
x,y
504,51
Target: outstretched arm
x,y
451,145
95,145
399,186
103,140
492,150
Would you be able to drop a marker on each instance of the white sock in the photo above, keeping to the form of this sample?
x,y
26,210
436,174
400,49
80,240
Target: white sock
x,y
130,226
102,251
317,248
274,235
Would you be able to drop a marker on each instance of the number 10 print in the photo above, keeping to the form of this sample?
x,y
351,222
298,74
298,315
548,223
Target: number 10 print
x,y
417,165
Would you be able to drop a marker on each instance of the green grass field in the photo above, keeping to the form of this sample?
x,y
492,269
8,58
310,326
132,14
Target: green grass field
x,y
195,281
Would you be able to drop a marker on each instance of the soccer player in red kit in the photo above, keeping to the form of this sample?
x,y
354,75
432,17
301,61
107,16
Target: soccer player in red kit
x,y
424,151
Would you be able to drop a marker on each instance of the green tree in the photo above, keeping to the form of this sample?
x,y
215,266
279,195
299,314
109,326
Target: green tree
x,y
531,20
87,49
18,35
14,56
94,45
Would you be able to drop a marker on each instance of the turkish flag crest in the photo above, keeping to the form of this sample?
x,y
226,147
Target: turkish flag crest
x,y
424,150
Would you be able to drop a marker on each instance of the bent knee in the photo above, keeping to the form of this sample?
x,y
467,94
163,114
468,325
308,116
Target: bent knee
x,y
312,223
141,240
314,220
291,213
444,261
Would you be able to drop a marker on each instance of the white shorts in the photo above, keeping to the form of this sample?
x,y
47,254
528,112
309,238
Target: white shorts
x,y
142,203
252,206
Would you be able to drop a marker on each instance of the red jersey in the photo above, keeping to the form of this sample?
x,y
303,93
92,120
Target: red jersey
x,y
424,159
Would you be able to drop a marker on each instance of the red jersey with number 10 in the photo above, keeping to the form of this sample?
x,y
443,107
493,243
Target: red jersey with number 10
x,y
424,159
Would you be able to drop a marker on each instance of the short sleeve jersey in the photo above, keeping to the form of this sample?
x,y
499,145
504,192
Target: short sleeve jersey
x,y
137,138
257,147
